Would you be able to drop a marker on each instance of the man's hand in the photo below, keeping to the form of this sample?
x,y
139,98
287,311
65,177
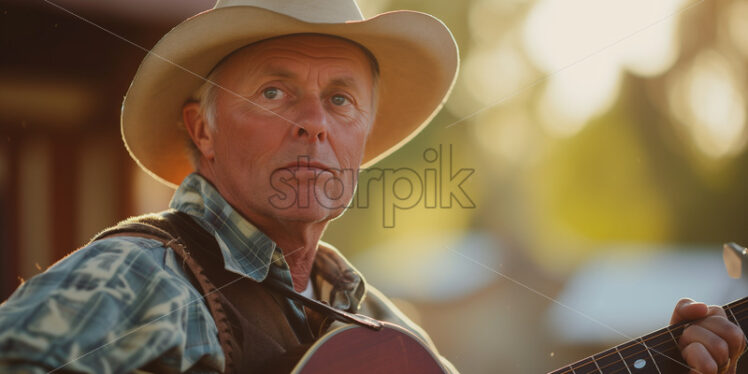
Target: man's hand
x,y
711,344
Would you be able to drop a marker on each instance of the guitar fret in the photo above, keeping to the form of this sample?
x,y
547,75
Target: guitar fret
x,y
663,347
654,362
735,318
622,360
676,332
636,358
608,361
586,366
736,321
563,370
655,353
596,365
672,336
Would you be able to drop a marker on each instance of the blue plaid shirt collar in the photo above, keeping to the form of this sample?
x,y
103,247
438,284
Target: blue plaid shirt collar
x,y
246,250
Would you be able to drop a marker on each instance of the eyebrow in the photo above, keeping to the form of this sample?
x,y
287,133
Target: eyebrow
x,y
344,82
278,72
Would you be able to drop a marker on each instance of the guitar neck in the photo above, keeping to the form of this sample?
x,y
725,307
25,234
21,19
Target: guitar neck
x,y
655,353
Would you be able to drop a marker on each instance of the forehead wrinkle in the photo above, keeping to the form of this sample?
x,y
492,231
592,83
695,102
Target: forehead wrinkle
x,y
279,72
272,60
341,76
277,61
317,51
352,53
346,82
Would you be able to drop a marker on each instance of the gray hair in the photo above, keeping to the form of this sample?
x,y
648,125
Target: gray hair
x,y
206,96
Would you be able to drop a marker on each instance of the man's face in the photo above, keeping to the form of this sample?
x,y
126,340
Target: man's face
x,y
289,145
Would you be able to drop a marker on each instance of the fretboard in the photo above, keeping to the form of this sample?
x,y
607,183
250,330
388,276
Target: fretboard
x,y
655,353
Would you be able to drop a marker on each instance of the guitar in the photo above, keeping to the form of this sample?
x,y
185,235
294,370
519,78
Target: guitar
x,y
393,349
654,353
355,349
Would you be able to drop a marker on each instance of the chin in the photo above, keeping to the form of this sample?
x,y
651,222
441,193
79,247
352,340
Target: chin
x,y
307,206
309,214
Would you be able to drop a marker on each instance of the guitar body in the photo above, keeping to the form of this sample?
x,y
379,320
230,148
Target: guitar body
x,y
356,349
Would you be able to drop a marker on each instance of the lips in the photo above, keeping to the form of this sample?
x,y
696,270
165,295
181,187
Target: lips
x,y
311,165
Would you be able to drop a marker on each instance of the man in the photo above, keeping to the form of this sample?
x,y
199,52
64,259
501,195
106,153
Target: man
x,y
295,100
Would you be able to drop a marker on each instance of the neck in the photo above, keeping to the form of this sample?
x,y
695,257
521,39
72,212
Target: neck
x,y
298,241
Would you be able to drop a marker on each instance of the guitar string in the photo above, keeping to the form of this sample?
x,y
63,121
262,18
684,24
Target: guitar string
x,y
651,349
625,367
735,304
570,368
660,333
671,349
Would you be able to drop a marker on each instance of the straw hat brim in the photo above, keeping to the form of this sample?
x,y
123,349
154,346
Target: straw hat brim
x,y
416,53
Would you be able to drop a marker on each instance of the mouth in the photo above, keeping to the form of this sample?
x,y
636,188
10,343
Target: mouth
x,y
302,165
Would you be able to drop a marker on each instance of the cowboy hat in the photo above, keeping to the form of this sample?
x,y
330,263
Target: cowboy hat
x,y
416,53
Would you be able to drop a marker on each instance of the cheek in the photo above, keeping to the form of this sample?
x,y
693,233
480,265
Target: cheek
x,y
351,140
252,141
350,150
360,141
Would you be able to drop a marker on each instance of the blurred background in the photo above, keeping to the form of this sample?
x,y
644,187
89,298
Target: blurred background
x,y
603,143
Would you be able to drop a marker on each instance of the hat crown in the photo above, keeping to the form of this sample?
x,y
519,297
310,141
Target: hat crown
x,y
317,11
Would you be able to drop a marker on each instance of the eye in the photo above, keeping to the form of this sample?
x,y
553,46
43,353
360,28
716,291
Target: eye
x,y
339,100
272,93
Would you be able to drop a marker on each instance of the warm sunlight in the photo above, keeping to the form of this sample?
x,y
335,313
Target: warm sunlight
x,y
706,99
583,45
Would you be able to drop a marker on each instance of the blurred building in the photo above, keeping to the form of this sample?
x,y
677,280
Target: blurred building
x,y
589,125
64,173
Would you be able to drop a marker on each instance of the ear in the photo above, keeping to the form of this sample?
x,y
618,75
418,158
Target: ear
x,y
200,133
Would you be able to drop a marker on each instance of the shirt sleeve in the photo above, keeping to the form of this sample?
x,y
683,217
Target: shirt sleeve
x,y
111,307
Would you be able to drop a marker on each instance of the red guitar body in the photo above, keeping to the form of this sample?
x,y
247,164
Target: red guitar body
x,y
391,350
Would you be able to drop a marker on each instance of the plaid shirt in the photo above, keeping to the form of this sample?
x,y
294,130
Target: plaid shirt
x,y
121,303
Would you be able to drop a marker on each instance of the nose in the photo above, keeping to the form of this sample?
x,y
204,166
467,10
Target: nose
x,y
311,121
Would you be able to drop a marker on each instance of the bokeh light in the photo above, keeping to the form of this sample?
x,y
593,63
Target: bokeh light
x,y
706,99
584,46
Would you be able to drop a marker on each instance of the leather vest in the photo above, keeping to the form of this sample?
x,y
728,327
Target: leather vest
x,y
255,329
